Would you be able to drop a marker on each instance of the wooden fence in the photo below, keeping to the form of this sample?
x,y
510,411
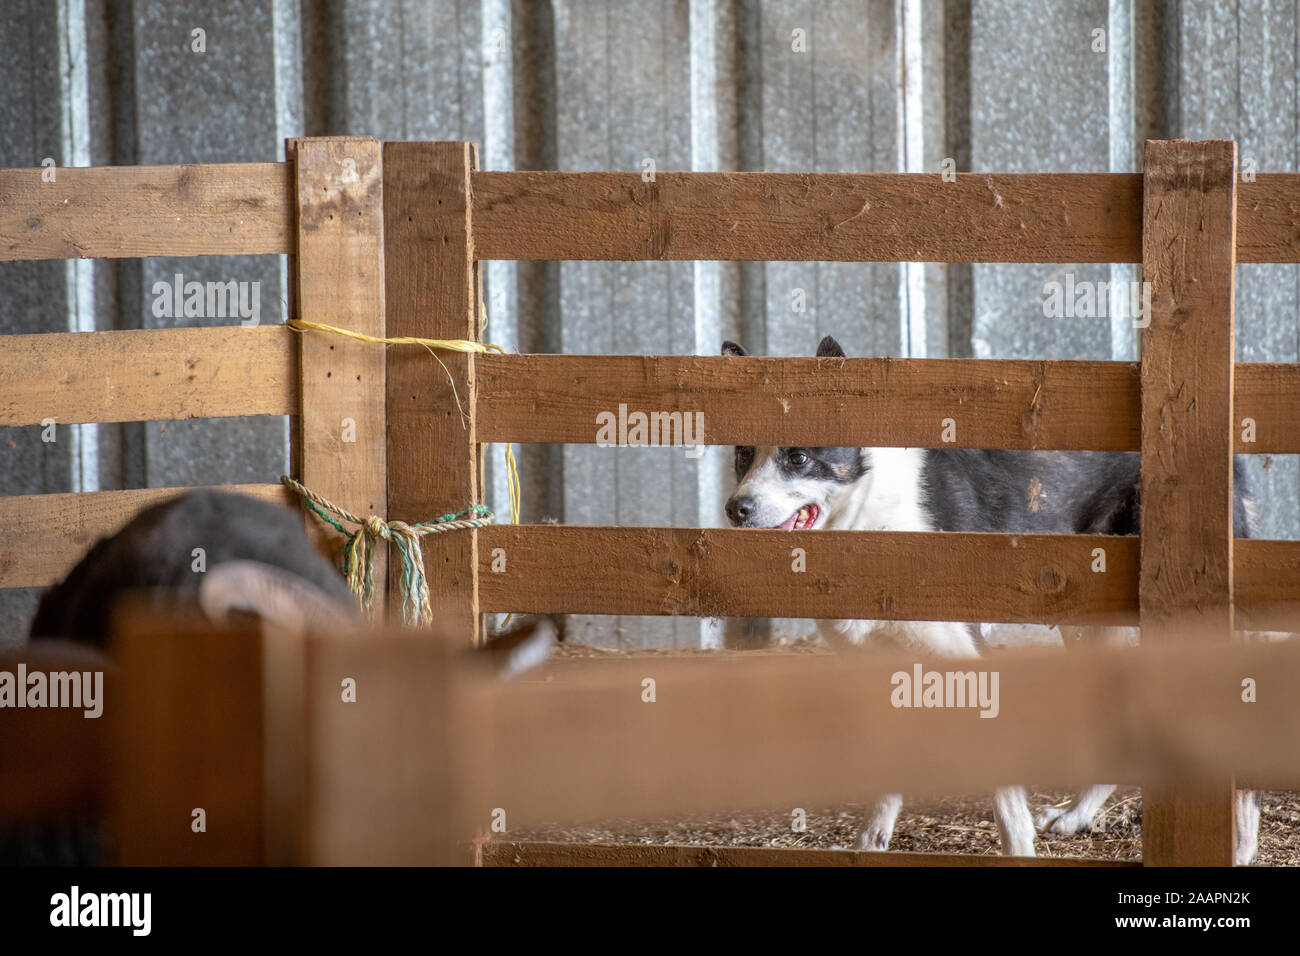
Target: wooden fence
x,y
387,240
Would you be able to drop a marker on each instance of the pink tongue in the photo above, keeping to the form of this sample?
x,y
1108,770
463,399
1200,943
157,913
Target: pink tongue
x,y
789,522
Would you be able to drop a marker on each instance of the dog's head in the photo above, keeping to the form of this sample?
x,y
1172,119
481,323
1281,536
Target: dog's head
x,y
792,488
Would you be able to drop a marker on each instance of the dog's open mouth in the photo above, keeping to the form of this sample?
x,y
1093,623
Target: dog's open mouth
x,y
801,520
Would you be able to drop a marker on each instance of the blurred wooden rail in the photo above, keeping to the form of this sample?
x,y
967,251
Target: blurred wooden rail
x,y
254,730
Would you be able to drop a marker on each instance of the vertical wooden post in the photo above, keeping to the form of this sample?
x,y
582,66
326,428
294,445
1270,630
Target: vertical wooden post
x,y
339,439
382,779
187,724
1188,256
433,456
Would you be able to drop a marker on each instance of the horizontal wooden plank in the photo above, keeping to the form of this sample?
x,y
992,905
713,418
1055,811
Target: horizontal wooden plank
x,y
818,402
859,575
818,730
502,853
884,217
244,208
1265,393
126,212
1266,584
866,575
1268,218
162,374
43,536
735,732
147,375
994,403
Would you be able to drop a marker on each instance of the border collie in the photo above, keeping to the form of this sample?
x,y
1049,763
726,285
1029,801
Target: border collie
x,y
956,489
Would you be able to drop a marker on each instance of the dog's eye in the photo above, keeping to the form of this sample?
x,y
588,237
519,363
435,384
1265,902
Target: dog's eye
x,y
797,458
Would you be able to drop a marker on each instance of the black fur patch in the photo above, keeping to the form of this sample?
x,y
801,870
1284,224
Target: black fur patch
x,y
829,348
840,465
744,458
1044,492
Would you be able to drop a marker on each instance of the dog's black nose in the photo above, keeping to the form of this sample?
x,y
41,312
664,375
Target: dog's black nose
x,y
739,509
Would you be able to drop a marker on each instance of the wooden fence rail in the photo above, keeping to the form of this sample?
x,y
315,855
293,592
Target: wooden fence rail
x,y
248,208
255,729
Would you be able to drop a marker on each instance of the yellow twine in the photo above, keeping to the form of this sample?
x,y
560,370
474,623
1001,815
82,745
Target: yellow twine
x,y
450,345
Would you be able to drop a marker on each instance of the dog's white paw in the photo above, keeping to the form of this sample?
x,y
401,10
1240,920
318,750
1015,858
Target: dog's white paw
x,y
1065,821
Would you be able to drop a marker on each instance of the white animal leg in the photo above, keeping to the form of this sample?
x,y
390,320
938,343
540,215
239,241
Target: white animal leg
x,y
880,823
1246,818
1078,815
1011,811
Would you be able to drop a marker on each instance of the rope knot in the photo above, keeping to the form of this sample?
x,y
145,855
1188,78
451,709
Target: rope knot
x,y
359,551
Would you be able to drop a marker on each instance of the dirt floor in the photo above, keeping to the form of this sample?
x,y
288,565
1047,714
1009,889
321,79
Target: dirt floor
x,y
945,825
959,824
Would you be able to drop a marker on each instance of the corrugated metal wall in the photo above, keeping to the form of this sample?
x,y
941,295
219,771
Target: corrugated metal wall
x,y
834,85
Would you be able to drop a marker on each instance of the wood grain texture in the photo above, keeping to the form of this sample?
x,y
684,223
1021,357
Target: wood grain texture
x,y
866,575
504,853
43,536
1268,218
246,208
1188,248
870,575
340,447
808,401
884,217
127,212
187,730
1266,584
995,403
818,730
147,375
432,285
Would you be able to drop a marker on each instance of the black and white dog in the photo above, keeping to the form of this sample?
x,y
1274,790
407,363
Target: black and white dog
x,y
956,489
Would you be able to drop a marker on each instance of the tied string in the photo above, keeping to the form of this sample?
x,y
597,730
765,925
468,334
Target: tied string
x,y
358,553
451,345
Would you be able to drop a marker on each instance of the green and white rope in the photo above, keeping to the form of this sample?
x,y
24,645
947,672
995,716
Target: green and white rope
x,y
358,553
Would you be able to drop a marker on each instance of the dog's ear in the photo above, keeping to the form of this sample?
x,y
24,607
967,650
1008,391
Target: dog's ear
x,y
731,348
829,348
